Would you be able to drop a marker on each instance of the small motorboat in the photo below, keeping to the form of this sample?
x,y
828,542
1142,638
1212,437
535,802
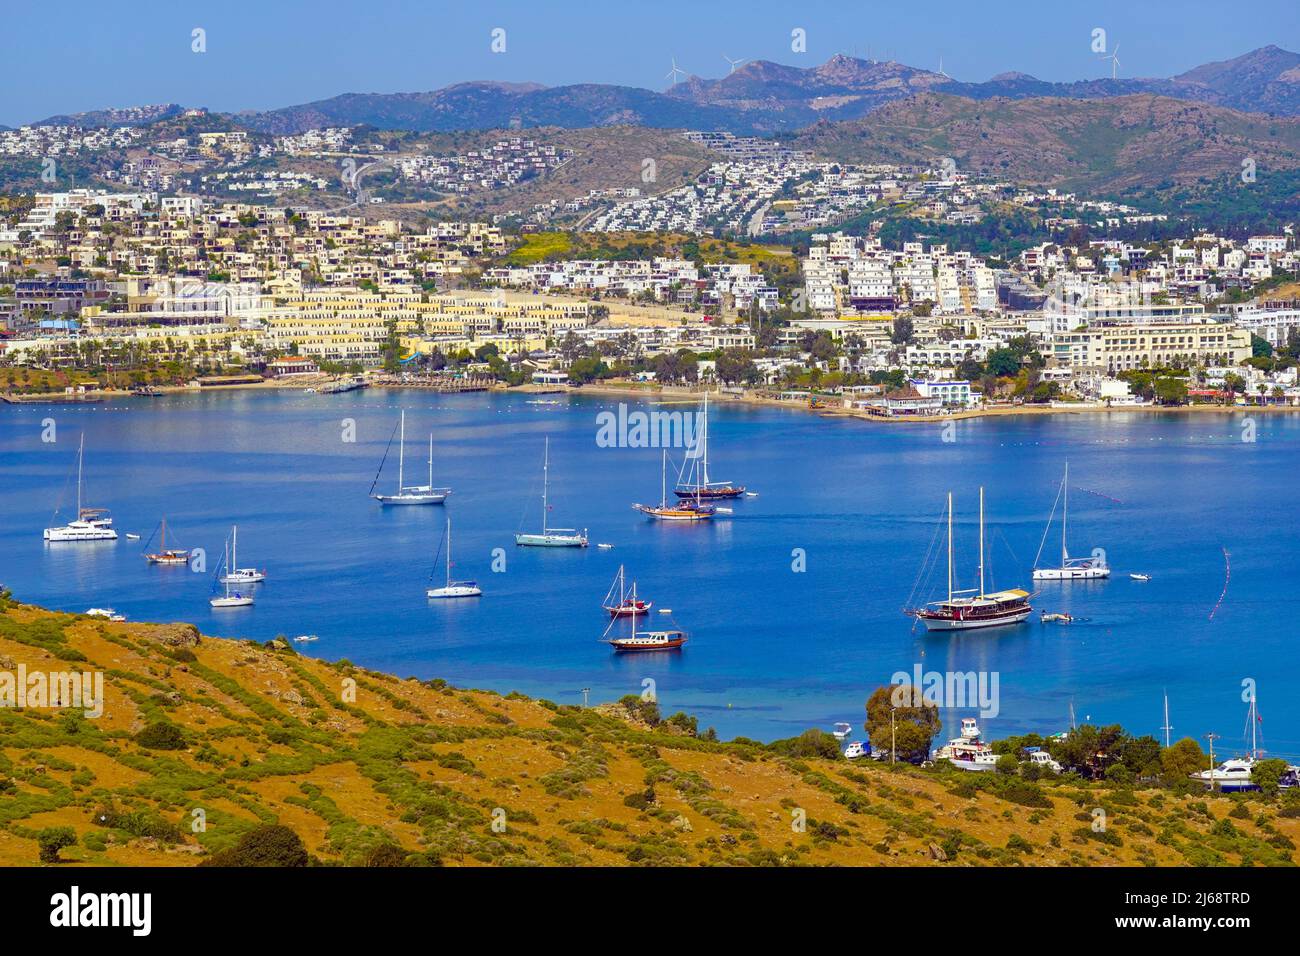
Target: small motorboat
x,y
857,750
306,638
1055,617
132,537
665,610
605,547
1138,576
751,494
107,613
244,576
842,730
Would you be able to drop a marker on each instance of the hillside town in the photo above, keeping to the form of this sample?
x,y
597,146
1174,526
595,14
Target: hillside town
x,y
105,284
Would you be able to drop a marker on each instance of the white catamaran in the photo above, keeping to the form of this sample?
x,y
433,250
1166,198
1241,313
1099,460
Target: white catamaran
x,y
963,610
91,524
1070,569
453,589
551,537
409,494
230,598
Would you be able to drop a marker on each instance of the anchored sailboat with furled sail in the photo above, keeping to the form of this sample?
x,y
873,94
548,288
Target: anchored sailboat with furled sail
x,y
1070,569
550,537
408,494
966,609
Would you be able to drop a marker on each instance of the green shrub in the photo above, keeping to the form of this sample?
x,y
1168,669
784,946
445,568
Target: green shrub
x,y
161,736
53,839
270,845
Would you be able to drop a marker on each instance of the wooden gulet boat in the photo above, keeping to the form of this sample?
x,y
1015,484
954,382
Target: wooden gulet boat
x,y
703,488
643,641
966,610
164,554
695,510
626,605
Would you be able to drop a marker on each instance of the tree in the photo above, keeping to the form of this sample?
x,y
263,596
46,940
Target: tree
x,y
914,724
161,736
1171,391
1002,362
903,332
270,845
1182,759
53,839
1267,774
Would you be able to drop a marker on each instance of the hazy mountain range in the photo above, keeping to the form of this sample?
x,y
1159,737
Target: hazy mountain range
x,y
758,97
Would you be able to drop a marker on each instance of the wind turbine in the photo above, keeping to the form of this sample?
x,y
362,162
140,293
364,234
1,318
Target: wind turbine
x,y
1114,62
734,63
672,74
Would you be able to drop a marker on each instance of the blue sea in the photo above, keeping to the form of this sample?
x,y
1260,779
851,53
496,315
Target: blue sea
x,y
773,649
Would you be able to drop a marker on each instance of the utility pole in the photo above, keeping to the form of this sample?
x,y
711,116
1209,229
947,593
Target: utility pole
x,y
1214,783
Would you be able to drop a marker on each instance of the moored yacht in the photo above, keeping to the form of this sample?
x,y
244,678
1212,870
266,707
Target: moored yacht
x,y
1070,569
91,524
698,485
968,751
406,494
453,589
692,510
550,537
964,610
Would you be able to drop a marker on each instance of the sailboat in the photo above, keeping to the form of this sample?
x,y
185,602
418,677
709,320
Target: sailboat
x,y
164,554
625,605
550,537
453,589
408,494
237,575
1070,569
703,488
695,510
230,598
91,524
664,640
964,610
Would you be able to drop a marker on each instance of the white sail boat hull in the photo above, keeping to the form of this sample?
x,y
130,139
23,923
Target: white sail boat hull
x,y
413,496
1071,574
551,539
234,600
462,590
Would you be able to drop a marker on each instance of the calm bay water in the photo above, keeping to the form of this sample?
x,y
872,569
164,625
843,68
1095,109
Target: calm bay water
x,y
772,651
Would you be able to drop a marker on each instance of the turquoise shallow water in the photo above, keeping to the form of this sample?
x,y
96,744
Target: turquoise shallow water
x,y
772,651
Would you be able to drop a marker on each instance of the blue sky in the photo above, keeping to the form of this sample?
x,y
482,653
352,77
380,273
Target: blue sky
x,y
73,55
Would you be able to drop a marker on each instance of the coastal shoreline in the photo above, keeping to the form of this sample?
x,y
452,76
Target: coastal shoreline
x,y
676,395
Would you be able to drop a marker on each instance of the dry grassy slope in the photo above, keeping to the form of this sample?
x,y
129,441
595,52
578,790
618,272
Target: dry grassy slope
x,y
269,739
1115,143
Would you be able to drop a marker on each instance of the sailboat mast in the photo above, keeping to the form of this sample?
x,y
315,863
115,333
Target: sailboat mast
x,y
706,437
234,544
430,461
663,480
981,541
1065,512
401,454
950,546
546,464
449,551
81,451
1254,743
1166,728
